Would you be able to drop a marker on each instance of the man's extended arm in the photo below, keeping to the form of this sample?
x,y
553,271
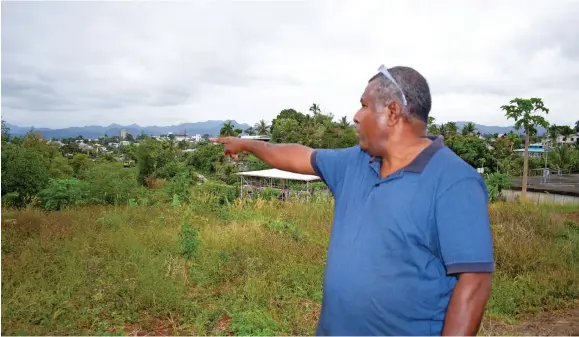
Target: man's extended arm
x,y
288,157
467,304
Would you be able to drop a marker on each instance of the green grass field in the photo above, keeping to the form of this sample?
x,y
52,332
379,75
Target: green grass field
x,y
246,269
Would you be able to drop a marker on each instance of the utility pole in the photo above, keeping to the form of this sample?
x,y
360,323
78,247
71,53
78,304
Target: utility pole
x,y
546,169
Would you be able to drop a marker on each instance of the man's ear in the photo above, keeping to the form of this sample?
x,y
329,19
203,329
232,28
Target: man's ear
x,y
394,113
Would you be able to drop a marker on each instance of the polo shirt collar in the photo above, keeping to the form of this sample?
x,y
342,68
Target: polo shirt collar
x,y
423,158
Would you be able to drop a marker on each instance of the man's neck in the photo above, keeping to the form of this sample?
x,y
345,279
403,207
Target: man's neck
x,y
400,154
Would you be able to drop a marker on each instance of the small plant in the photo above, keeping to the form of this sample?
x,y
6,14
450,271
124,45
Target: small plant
x,y
283,227
254,323
496,183
189,240
61,193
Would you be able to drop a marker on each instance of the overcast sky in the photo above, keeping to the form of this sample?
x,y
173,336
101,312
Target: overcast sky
x,y
160,63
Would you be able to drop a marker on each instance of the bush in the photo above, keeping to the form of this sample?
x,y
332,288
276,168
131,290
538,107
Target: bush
x,y
189,240
61,193
180,186
112,184
496,183
25,172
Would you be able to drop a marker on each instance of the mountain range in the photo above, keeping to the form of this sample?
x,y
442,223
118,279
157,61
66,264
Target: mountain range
x,y
211,127
94,131
486,129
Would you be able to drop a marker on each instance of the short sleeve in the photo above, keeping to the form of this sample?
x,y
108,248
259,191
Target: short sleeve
x,y
463,225
330,165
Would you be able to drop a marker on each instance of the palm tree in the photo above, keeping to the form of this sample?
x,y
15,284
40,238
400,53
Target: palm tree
x,y
553,132
448,129
469,129
250,131
524,112
262,128
315,109
563,157
344,124
227,129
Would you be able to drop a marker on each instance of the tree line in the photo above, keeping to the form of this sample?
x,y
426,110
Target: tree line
x,y
37,172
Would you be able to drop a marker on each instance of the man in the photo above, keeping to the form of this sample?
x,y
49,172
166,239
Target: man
x,y
411,250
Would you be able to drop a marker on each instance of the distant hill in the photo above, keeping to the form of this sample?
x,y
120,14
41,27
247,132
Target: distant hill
x,y
94,131
208,127
486,129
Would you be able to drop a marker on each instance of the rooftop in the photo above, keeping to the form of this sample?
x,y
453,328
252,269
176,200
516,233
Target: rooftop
x,y
567,184
279,174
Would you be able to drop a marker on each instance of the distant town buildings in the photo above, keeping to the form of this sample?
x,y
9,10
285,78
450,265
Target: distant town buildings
x,y
124,134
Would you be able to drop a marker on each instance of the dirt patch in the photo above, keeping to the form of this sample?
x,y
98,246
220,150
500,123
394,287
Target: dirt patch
x,y
563,323
150,327
223,327
572,216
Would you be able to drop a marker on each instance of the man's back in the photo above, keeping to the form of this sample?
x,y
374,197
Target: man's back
x,y
393,242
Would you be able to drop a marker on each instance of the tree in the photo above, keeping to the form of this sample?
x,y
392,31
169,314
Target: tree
x,y
315,109
525,114
553,132
448,129
566,131
344,123
262,128
250,131
471,149
227,129
5,133
577,126
25,172
468,129
432,127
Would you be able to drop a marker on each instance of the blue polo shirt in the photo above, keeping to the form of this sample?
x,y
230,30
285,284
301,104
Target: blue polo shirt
x,y
397,243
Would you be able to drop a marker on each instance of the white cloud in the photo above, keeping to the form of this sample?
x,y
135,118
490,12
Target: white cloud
x,y
79,63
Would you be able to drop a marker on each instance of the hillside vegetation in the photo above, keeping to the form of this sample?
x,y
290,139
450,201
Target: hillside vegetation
x,y
94,245
248,268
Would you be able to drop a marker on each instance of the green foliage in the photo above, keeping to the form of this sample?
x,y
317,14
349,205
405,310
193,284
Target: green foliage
x,y
111,184
223,194
524,113
564,157
25,172
206,158
189,237
254,322
471,149
179,187
285,227
62,193
5,133
228,129
496,183
158,270
152,156
81,162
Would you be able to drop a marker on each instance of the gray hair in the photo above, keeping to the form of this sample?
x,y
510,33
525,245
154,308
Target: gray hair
x,y
414,86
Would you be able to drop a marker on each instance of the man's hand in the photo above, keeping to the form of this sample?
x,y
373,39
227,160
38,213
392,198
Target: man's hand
x,y
232,146
287,157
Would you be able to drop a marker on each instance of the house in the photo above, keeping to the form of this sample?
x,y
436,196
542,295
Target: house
x,y
85,147
570,139
536,150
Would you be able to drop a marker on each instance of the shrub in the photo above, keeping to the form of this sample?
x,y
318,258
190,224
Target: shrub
x,y
61,193
189,240
496,183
